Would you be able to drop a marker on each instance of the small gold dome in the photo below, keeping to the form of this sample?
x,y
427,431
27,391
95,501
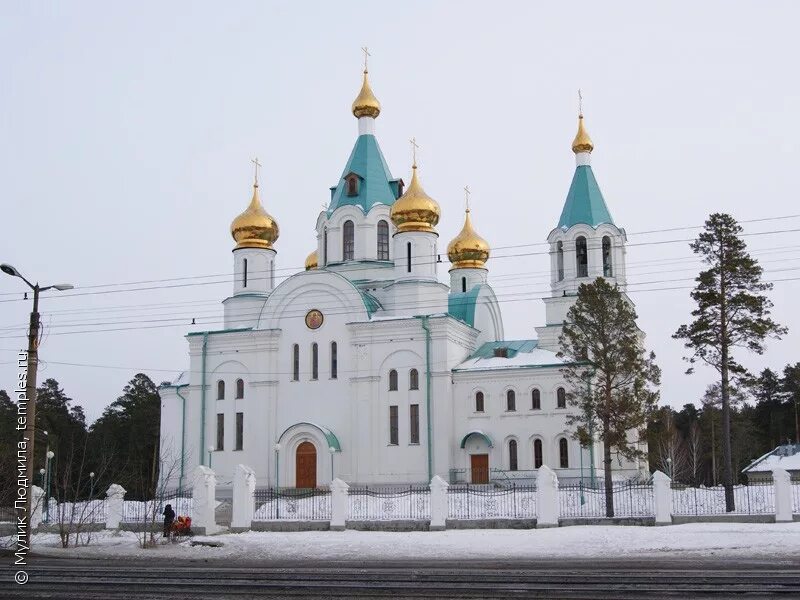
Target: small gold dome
x,y
312,261
415,210
582,141
366,104
254,228
468,250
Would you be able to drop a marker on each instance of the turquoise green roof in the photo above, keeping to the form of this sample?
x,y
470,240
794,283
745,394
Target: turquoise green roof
x,y
376,184
585,203
370,303
461,305
487,349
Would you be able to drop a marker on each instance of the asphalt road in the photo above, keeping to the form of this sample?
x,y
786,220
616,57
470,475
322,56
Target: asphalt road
x,y
597,579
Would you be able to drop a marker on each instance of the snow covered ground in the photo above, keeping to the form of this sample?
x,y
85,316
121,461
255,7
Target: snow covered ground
x,y
763,541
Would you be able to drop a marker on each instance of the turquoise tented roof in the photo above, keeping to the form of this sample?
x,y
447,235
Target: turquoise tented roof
x,y
376,184
585,203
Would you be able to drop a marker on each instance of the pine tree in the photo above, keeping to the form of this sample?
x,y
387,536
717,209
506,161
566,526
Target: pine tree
x,y
732,312
790,385
609,374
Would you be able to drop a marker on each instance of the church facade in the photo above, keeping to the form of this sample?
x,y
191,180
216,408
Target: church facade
x,y
365,366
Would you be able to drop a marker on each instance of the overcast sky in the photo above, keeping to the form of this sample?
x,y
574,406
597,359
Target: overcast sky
x,y
127,129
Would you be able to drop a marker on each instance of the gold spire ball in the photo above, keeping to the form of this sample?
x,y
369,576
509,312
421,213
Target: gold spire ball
x,y
468,250
582,141
255,227
366,104
312,262
415,210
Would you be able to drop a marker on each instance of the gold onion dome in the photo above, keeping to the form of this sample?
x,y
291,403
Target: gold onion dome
x,y
255,227
312,261
366,104
468,250
415,210
582,141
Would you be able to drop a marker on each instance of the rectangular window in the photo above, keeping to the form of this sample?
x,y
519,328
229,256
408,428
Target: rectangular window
x,y
314,361
239,431
414,417
220,431
393,434
334,360
296,362
245,273
408,257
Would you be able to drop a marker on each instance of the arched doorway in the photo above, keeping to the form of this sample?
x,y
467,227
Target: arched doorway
x,y
306,466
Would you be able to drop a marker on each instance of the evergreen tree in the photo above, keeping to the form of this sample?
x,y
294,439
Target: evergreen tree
x,y
771,416
609,374
732,312
790,385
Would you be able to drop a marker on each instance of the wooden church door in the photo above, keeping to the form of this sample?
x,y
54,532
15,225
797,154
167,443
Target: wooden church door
x,y
306,466
480,468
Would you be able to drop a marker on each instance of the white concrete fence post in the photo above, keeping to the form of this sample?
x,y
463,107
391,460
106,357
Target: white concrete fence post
x,y
204,500
115,500
662,498
783,495
439,507
546,498
37,504
339,504
244,502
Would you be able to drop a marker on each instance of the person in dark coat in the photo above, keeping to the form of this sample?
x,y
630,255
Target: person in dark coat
x,y
169,517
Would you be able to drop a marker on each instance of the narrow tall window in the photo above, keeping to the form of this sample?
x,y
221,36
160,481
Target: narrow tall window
x,y
220,390
608,270
511,400
239,431
334,360
478,401
536,399
296,362
581,257
324,246
413,379
512,455
463,284
220,431
239,388
383,240
352,186
408,257
561,398
560,260
563,453
392,380
244,272
393,434
314,361
348,241
414,424
537,453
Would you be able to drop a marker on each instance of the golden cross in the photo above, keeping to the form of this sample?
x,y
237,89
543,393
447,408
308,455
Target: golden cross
x,y
257,165
414,148
366,54
467,193
580,102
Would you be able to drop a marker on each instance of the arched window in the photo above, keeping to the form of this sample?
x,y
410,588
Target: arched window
x,y
511,400
408,257
383,240
314,361
352,186
512,455
220,390
608,270
296,362
537,454
563,453
581,257
560,260
536,399
348,240
239,388
325,246
561,398
392,380
334,360
244,272
478,401
463,284
413,379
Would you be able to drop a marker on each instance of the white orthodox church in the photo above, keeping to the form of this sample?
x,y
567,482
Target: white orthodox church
x,y
365,366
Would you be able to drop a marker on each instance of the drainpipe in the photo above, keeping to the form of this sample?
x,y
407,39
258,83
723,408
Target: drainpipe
x,y
427,329
203,400
183,433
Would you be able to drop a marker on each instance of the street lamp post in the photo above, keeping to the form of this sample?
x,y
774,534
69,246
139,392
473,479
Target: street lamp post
x,y
277,473
332,450
210,451
30,384
47,458
41,476
669,466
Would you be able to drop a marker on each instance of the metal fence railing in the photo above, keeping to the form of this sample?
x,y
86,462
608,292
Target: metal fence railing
x,y
483,502
83,511
751,499
143,511
493,475
796,497
374,503
292,504
630,499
